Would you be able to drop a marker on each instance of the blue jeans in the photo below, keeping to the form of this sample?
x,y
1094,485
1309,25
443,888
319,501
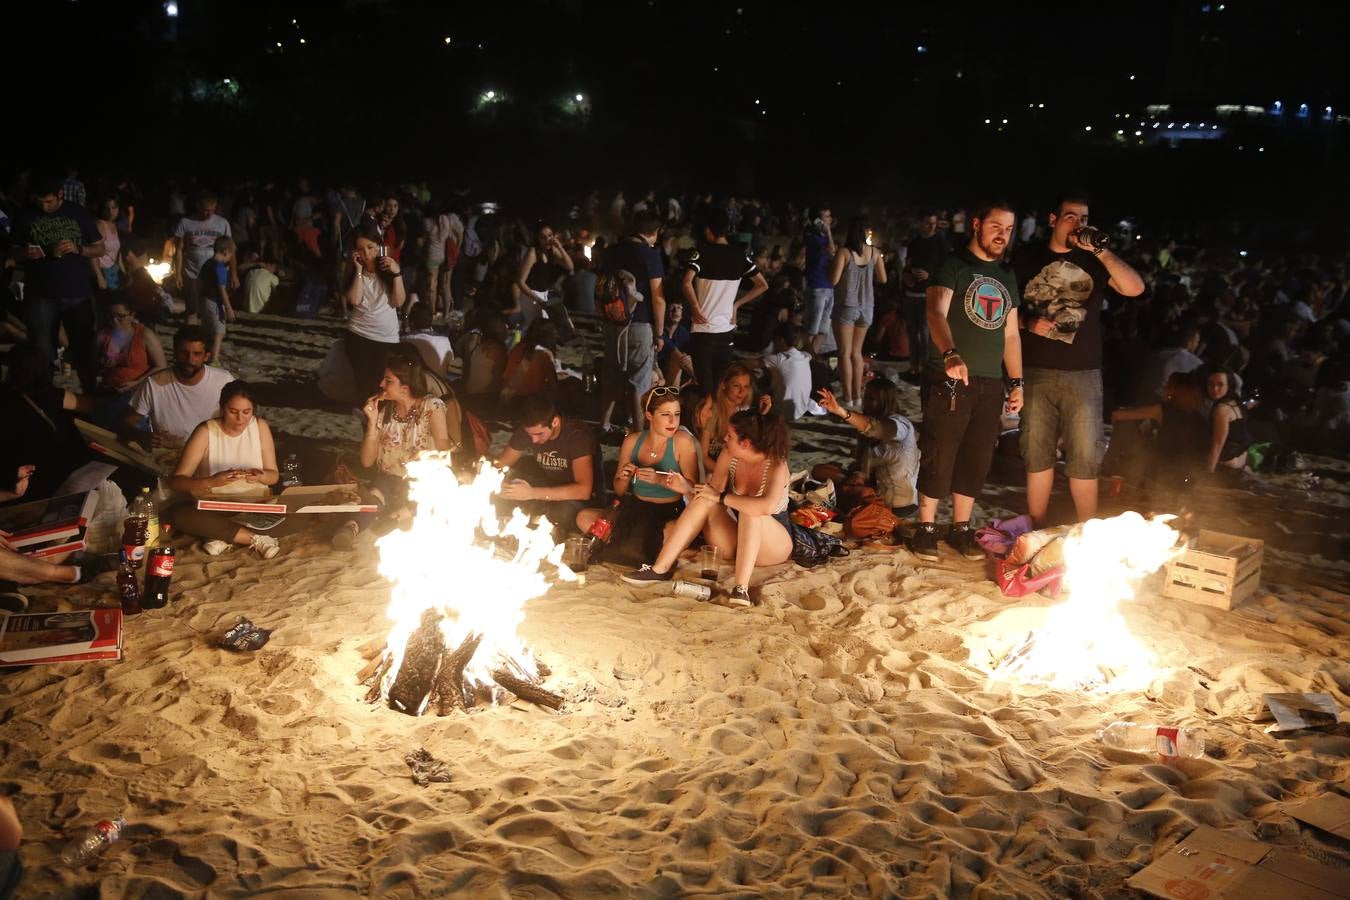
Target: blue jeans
x,y
1067,405
44,314
819,306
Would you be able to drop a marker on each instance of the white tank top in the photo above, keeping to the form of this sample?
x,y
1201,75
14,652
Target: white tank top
x,y
224,452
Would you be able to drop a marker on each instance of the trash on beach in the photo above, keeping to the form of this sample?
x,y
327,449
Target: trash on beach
x,y
244,635
1329,812
1293,712
426,769
1213,864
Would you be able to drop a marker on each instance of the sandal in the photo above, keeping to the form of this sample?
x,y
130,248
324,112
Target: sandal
x,y
13,602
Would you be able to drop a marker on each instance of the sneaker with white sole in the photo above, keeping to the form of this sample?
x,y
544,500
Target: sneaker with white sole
x,y
739,597
647,575
215,548
265,545
924,543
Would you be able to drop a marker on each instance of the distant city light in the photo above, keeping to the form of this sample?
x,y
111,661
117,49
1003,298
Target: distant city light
x,y
757,102
302,40
921,48
1120,131
579,97
1137,133
987,122
293,22
1132,78
1156,124
1040,106
1005,121
226,81
1214,128
1260,149
171,9
1279,105
491,95
447,40
1087,127
1242,253
278,43
1171,124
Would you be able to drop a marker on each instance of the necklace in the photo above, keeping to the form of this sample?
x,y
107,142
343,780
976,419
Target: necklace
x,y
655,453
406,417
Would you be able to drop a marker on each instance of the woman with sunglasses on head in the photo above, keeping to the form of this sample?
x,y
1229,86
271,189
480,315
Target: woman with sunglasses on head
x,y
742,510
655,467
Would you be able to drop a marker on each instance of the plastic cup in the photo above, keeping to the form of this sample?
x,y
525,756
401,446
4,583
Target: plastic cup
x,y
575,554
708,559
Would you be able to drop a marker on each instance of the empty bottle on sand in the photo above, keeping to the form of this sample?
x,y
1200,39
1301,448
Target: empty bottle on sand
x,y
93,842
128,586
1169,742
601,530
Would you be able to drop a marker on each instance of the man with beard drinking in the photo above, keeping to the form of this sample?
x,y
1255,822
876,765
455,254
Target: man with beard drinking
x,y
1063,283
178,399
972,322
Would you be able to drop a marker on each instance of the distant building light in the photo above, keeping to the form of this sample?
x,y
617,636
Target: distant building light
x,y
302,40
1156,124
1005,121
226,81
1187,125
278,44
921,49
1040,106
447,40
579,98
1260,149
1279,105
757,102
171,9
1132,78
1214,128
1120,131
986,121
491,95
293,22
1242,253
1137,133
1087,127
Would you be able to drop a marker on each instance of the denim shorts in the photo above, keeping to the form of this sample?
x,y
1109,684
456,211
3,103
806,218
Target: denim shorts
x,y
819,304
857,316
1066,406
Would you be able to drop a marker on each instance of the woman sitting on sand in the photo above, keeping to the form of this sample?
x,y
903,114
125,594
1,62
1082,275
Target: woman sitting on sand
x,y
127,352
401,422
732,395
887,453
742,510
1230,437
233,449
649,463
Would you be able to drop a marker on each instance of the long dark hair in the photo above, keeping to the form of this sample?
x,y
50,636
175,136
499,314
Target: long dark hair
x,y
368,231
407,368
858,226
768,434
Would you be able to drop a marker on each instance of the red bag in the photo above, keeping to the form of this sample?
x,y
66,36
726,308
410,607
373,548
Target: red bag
x,y
613,299
1017,581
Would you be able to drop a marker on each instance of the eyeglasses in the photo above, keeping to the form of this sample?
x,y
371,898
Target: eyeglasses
x,y
125,315
660,392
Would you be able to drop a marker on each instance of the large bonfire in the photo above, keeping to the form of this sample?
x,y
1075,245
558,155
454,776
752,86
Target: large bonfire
x,y
460,581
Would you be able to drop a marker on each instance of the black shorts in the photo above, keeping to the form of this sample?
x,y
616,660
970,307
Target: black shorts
x,y
961,424
640,531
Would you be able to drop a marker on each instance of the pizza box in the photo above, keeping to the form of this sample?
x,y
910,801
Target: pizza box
x,y
306,499
103,441
44,521
28,639
1329,812
1209,864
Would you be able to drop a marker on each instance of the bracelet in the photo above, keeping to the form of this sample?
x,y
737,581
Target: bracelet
x,y
1015,383
950,353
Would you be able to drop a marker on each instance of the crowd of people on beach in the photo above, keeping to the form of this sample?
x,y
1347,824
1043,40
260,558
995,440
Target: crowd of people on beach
x,y
723,324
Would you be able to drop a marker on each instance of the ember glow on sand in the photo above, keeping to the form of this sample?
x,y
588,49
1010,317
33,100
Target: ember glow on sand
x,y
450,561
1084,643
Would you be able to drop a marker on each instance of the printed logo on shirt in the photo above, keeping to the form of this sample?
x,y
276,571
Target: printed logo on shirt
x,y
1059,293
552,459
987,302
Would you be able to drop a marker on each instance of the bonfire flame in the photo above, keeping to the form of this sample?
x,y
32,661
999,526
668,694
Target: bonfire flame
x,y
158,271
1085,642
451,562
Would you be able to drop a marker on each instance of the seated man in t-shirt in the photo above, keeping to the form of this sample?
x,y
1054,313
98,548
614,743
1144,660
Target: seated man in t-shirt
x,y
552,463
177,399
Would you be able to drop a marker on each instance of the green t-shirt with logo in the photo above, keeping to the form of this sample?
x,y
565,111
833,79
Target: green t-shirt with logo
x,y
983,293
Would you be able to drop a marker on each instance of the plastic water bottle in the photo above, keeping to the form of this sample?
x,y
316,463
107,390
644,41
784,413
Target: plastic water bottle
x,y
143,507
1167,741
93,842
290,472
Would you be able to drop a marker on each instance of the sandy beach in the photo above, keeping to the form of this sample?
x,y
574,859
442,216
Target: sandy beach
x,y
837,740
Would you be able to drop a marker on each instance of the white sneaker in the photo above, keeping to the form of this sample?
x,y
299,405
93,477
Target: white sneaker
x,y
266,545
215,548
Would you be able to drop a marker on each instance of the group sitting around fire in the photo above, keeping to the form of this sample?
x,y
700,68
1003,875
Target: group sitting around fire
x,y
705,454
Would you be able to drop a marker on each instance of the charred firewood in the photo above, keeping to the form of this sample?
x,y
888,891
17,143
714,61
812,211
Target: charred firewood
x,y
421,659
450,692
526,691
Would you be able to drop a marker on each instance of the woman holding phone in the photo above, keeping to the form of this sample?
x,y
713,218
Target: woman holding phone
x,y
370,302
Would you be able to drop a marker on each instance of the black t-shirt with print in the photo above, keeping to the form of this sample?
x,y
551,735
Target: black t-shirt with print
x,y
51,276
554,458
1067,289
983,293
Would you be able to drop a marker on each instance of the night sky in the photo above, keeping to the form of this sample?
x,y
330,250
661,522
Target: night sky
x,y
854,101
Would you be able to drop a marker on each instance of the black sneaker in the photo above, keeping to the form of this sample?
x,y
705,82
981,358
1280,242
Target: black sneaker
x,y
739,597
647,575
962,539
924,543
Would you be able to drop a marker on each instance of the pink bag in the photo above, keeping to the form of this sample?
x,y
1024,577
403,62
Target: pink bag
x,y
1016,580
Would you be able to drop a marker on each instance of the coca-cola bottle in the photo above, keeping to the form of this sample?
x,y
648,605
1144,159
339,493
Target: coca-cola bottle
x,y
600,532
158,573
127,586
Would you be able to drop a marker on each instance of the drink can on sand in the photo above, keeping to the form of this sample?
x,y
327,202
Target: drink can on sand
x,y
693,590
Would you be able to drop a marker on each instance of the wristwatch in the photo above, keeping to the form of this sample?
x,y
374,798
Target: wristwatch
x,y
1015,384
950,353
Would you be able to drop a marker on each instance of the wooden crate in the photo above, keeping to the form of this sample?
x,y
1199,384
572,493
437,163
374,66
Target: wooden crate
x,y
1216,569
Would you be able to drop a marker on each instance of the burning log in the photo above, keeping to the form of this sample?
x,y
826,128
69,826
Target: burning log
x,y
420,662
527,691
450,692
